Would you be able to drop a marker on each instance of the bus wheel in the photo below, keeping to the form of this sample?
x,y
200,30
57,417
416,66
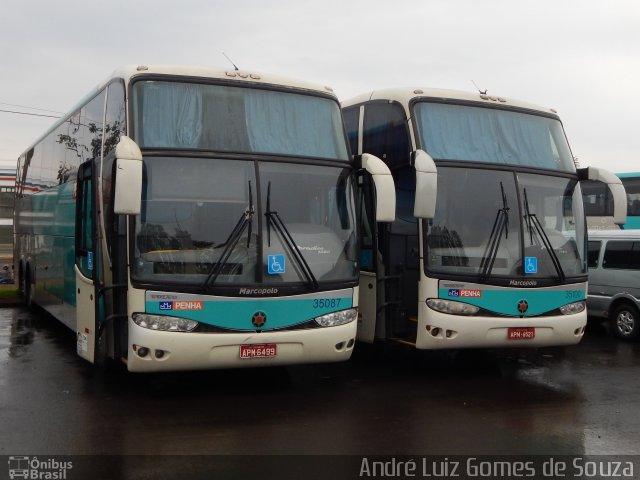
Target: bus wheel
x,y
625,322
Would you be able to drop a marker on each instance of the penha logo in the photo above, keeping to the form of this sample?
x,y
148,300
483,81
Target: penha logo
x,y
187,305
454,292
33,468
259,319
166,305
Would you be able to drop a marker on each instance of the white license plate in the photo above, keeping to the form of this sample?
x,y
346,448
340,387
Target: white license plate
x,y
258,351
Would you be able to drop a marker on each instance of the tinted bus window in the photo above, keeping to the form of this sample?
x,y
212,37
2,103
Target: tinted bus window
x,y
597,198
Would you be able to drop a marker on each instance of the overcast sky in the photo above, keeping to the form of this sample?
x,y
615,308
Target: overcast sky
x,y
581,57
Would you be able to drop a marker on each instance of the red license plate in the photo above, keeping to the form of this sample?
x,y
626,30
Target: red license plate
x,y
258,351
521,333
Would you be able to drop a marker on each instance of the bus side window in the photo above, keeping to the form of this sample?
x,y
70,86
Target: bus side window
x,y
366,225
351,119
385,135
84,221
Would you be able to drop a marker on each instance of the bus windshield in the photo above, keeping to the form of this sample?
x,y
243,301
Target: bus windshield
x,y
492,135
491,223
210,222
241,120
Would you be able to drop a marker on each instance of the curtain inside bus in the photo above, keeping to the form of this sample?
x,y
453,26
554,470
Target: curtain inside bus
x,y
465,133
222,118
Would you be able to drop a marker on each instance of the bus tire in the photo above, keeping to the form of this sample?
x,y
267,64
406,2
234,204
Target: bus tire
x,y
625,322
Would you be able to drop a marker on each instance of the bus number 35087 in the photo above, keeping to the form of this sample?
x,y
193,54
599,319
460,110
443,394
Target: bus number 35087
x,y
326,303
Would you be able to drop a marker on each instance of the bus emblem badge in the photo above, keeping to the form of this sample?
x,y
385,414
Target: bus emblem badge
x,y
259,319
523,306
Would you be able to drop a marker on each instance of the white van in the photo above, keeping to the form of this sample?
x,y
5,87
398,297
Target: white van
x,y
614,280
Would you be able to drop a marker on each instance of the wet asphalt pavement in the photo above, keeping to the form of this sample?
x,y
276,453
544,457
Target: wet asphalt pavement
x,y
386,401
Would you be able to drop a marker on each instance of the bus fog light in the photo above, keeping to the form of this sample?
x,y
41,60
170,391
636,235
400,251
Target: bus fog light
x,y
164,323
143,352
451,307
572,308
337,318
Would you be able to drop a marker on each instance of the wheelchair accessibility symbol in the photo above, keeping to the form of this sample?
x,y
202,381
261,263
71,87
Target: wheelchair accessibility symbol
x,y
530,265
275,264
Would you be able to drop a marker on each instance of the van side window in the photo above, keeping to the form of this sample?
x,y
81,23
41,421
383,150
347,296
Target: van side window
x,y
594,253
622,254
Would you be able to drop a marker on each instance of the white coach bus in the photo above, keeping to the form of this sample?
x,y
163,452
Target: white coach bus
x,y
488,248
190,218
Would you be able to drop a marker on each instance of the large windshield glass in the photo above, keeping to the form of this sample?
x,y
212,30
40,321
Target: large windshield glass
x,y
480,215
553,215
315,207
204,222
492,135
469,208
232,119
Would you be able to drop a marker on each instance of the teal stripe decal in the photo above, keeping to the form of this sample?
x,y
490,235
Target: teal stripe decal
x,y
506,301
237,314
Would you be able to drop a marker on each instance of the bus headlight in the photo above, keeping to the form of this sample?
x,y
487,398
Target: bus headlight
x,y
337,318
451,307
164,323
572,308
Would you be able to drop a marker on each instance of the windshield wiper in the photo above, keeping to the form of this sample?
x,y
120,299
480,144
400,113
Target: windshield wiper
x,y
274,219
500,225
533,223
231,242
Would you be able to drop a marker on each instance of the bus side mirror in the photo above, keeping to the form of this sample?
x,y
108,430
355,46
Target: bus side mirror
x,y
426,184
128,192
385,187
615,186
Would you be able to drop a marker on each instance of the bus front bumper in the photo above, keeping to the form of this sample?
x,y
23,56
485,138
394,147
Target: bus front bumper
x,y
443,331
152,351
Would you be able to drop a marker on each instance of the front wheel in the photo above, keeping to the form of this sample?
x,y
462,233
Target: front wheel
x,y
625,322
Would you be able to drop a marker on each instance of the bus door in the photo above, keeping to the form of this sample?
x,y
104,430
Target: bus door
x,y
86,263
369,321
400,247
389,270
